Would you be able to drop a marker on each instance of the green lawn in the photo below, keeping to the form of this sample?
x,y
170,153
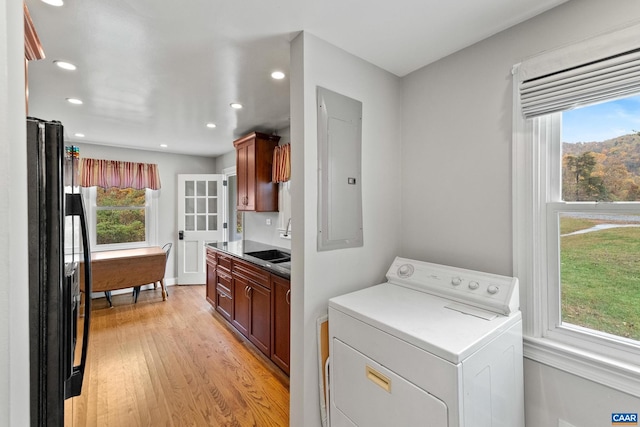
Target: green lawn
x,y
600,273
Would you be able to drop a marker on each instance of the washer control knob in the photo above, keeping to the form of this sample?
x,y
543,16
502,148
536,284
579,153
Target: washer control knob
x,y
474,285
405,270
493,289
456,281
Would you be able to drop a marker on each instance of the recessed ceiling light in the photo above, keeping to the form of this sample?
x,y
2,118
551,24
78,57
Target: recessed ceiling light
x,y
163,145
53,2
74,101
79,135
65,65
236,105
278,75
211,125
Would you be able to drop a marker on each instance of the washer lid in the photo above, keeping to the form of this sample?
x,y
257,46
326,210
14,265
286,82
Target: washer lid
x,y
423,319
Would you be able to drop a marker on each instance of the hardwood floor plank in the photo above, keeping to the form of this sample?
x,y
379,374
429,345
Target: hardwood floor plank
x,y
175,363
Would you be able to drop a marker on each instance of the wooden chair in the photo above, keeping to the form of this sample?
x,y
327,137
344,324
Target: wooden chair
x,y
136,290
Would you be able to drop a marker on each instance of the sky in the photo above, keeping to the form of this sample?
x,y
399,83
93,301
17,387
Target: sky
x,y
602,121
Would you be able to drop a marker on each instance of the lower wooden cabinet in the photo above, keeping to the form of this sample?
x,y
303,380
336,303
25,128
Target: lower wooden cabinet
x,y
260,318
254,301
241,304
281,321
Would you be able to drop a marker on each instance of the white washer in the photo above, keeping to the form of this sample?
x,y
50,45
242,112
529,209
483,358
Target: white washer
x,y
435,346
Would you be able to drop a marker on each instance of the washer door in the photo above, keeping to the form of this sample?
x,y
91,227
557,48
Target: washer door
x,y
365,394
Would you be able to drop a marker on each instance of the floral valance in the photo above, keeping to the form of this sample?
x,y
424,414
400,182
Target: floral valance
x,y
281,171
114,173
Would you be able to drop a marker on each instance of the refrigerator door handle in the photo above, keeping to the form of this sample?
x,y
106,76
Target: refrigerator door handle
x,y
75,206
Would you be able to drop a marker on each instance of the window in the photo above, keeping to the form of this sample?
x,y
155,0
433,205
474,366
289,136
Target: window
x,y
598,277
576,209
120,215
121,218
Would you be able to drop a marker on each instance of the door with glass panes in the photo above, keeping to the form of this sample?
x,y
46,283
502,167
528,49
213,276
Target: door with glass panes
x,y
199,222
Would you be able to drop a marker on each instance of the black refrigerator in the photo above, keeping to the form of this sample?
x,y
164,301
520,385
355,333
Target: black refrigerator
x,y
58,243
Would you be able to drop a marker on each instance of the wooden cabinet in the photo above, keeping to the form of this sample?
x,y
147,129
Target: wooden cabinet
x,y
254,160
252,304
32,50
212,279
254,301
219,288
241,304
280,321
224,292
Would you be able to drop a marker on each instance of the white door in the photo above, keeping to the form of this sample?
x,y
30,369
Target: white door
x,y
199,223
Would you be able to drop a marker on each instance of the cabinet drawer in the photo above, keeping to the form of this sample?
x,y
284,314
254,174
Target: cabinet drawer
x,y
211,257
224,303
224,282
249,271
225,262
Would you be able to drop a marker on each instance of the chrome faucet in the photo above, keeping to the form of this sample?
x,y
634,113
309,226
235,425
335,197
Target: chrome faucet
x,y
286,231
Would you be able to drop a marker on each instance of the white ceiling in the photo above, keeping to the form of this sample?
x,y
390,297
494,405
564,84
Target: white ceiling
x,y
154,72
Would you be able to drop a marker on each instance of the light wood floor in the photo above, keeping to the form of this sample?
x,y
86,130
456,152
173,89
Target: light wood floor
x,y
175,363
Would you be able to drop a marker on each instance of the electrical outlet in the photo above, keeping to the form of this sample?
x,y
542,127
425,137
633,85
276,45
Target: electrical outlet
x,y
268,221
563,423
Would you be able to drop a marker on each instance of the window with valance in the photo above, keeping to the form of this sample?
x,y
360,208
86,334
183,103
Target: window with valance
x,y
576,287
121,203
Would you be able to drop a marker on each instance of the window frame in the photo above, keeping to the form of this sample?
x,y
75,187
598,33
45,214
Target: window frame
x,y
536,164
151,221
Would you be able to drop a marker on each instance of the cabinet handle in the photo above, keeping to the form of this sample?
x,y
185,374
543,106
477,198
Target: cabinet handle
x,y
287,297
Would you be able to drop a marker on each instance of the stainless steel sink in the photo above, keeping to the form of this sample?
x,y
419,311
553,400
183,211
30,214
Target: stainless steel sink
x,y
272,255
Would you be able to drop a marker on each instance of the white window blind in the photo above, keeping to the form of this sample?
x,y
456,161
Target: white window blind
x,y
606,79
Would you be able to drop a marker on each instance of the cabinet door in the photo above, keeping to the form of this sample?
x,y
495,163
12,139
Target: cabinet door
x,y
212,281
281,322
260,318
246,173
241,304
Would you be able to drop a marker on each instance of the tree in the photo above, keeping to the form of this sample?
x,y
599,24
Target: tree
x,y
578,175
615,179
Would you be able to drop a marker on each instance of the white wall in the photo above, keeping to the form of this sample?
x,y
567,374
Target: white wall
x,y
14,297
318,276
456,177
169,165
227,160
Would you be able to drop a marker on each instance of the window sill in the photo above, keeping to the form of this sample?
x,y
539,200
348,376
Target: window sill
x,y
120,246
607,371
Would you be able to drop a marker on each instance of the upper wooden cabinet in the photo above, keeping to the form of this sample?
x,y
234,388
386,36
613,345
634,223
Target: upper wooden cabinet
x,y
254,161
32,50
